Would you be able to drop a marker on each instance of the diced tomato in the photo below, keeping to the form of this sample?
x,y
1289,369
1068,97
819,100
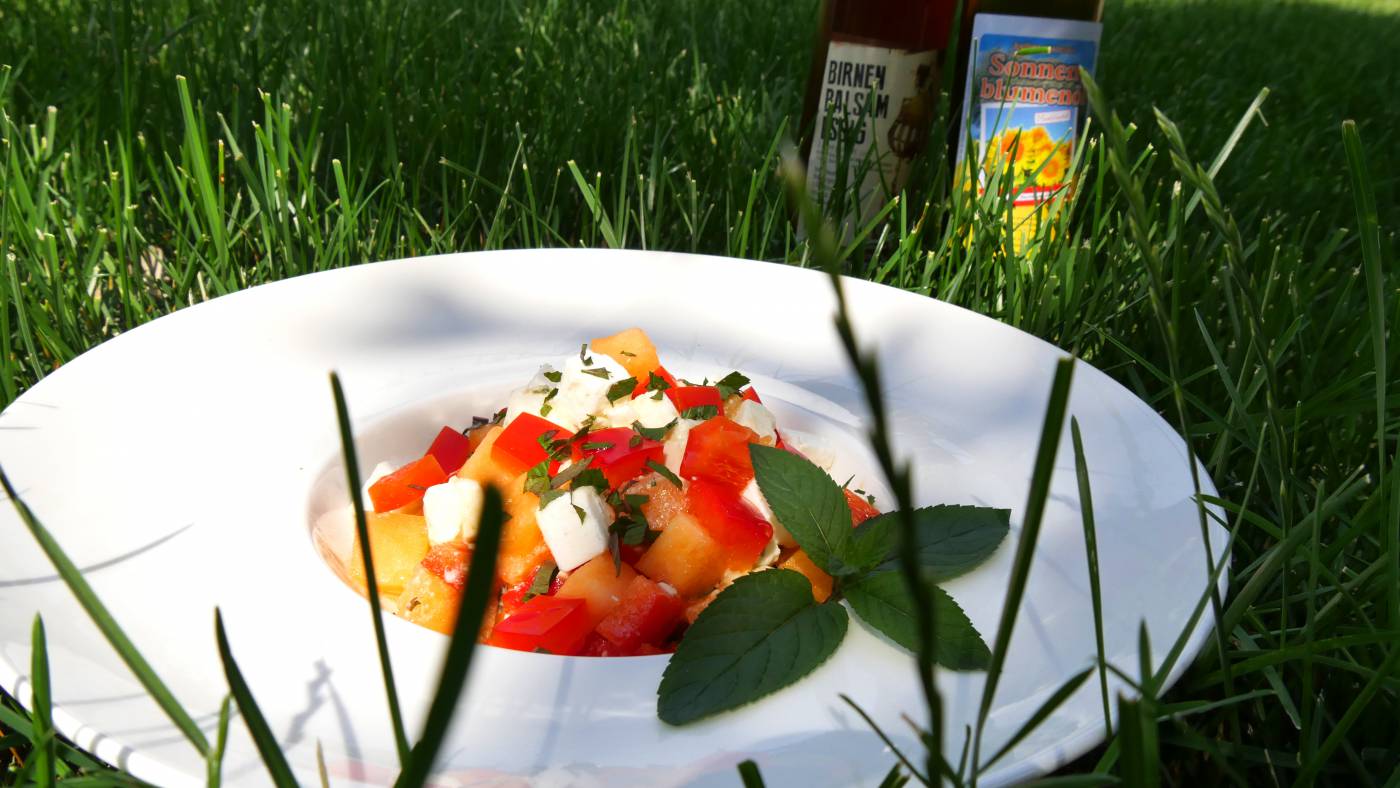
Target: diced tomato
x,y
555,624
451,448
644,382
595,645
730,522
648,614
861,509
448,561
518,447
750,395
406,485
620,453
718,450
686,397
514,596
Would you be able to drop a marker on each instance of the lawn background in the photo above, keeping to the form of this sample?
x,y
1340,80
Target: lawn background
x,y
308,134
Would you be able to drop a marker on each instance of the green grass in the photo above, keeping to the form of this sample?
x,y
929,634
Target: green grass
x,y
194,149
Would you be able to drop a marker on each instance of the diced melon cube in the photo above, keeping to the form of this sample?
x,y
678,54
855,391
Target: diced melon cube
x,y
821,581
600,584
632,349
522,544
664,500
686,556
429,601
398,542
483,468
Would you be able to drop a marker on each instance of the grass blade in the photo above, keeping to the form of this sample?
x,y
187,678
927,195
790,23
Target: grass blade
x,y
1047,708
73,578
215,768
1039,493
266,742
898,753
352,477
749,775
1091,552
41,709
476,596
1368,219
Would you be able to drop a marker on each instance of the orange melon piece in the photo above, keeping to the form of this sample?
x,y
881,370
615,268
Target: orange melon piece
x,y
664,500
522,544
686,556
482,468
632,349
821,581
600,584
398,542
429,602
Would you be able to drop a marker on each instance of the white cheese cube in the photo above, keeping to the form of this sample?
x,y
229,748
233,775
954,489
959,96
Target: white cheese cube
x,y
453,509
653,412
618,414
583,386
575,535
811,447
674,447
757,418
754,498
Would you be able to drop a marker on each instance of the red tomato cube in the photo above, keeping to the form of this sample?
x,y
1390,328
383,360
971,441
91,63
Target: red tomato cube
x,y
644,382
451,448
718,450
554,624
731,522
620,453
406,485
751,395
647,615
518,447
861,509
686,397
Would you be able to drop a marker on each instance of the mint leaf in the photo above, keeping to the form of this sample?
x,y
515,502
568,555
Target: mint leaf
x,y
664,471
654,433
730,384
657,383
553,376
883,601
950,540
759,635
544,576
622,388
700,412
808,503
598,372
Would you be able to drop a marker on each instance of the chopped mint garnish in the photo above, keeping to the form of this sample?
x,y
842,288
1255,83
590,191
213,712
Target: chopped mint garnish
x,y
700,412
664,471
730,384
653,433
622,388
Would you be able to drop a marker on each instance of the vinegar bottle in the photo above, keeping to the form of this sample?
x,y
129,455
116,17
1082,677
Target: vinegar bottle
x,y
870,101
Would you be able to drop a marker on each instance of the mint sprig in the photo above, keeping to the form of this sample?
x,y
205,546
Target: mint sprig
x,y
761,634
766,631
883,601
808,503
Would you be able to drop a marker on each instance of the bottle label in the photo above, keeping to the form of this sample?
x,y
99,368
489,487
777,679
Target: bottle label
x,y
873,118
1024,105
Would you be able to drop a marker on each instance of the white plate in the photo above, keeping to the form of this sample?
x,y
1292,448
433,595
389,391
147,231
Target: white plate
x,y
182,463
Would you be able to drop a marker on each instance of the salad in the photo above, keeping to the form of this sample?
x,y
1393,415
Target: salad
x,y
630,498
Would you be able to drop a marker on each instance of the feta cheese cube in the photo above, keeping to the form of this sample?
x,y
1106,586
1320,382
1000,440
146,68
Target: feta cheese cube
x,y
674,447
583,386
575,535
654,413
618,414
811,447
754,497
453,509
757,418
